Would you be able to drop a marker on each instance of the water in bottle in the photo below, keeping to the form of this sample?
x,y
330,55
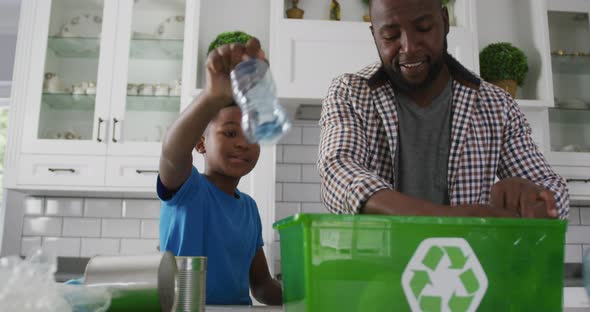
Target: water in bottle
x,y
263,118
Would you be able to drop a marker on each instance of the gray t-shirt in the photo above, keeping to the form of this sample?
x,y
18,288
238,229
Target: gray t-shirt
x,y
423,151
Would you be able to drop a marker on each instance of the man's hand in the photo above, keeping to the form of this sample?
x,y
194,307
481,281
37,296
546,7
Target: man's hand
x,y
222,61
524,197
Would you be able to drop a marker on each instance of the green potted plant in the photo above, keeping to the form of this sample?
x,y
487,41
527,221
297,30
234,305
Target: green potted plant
x,y
503,65
229,37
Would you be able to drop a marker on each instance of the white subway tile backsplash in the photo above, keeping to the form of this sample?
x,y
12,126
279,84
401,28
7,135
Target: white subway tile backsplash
x,y
279,153
585,217
574,216
278,192
288,173
310,174
117,228
299,192
138,246
33,206
311,135
99,246
61,246
42,226
141,208
150,229
103,208
299,154
81,227
313,208
284,210
292,137
573,253
64,207
29,244
577,234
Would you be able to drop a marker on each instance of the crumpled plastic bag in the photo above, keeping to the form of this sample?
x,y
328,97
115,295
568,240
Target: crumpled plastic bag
x,y
28,286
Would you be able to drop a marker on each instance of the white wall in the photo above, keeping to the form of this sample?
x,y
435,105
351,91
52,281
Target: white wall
x,y
7,45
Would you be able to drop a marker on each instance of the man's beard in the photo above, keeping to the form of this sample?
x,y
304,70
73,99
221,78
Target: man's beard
x,y
400,83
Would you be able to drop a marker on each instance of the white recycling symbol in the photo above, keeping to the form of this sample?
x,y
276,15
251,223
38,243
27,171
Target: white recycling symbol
x,y
444,275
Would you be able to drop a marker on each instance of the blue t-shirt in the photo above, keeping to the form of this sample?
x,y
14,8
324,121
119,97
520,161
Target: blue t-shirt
x,y
202,220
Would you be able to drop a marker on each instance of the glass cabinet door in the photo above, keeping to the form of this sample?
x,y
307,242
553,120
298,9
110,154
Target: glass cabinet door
x,y
569,120
68,99
154,66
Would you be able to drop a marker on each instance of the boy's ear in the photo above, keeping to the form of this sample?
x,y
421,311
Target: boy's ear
x,y
201,146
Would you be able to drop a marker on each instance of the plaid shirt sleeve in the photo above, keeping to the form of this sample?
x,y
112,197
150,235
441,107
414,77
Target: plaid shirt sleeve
x,y
346,181
520,157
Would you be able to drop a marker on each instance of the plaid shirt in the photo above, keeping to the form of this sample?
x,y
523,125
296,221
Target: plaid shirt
x,y
489,136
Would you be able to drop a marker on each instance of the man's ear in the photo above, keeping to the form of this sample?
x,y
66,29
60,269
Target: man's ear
x,y
445,15
201,146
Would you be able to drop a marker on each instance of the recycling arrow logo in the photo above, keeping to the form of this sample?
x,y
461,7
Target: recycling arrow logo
x,y
444,275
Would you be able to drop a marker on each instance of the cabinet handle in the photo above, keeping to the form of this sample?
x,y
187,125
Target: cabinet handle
x,y
115,121
61,169
147,171
578,180
100,121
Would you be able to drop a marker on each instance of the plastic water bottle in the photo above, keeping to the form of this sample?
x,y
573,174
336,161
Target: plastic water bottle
x,y
263,118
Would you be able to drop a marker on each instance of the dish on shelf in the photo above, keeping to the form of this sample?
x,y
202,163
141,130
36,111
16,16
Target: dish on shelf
x,y
171,28
85,25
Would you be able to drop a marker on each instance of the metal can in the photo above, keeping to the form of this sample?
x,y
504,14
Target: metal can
x,y
136,283
191,284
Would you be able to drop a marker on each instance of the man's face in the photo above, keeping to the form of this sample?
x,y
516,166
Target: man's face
x,y
410,36
226,148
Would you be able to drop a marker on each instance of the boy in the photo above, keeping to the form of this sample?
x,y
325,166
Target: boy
x,y
203,214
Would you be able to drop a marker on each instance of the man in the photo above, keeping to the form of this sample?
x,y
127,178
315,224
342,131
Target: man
x,y
418,134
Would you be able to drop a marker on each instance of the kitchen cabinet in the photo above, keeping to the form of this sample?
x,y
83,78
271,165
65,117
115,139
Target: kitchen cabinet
x,y
306,54
101,80
100,85
569,120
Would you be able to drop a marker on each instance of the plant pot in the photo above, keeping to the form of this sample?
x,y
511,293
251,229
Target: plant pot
x,y
367,18
295,13
509,85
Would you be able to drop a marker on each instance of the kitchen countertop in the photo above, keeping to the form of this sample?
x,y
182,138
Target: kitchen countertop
x,y
575,300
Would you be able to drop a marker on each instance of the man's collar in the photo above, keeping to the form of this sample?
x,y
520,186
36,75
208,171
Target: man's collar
x,y
458,72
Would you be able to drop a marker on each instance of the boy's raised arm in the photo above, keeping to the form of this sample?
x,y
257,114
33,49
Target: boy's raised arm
x,y
186,131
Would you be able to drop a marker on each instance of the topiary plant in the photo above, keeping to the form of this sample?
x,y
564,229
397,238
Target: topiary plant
x,y
229,37
503,61
445,2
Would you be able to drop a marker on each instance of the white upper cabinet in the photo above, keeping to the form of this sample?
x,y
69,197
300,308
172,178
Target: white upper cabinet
x,y
569,120
100,78
306,54
98,83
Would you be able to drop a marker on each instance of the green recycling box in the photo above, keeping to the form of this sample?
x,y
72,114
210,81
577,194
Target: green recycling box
x,y
392,263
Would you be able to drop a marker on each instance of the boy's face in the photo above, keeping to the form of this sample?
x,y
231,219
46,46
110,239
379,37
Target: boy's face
x,y
225,147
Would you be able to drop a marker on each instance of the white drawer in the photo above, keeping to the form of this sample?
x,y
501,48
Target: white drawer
x,y
132,171
578,179
59,170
